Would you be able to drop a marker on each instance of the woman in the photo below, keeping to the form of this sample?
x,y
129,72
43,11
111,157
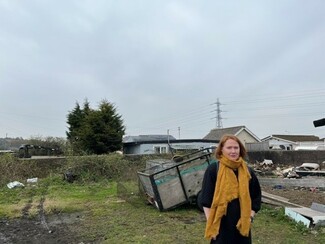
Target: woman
x,y
231,194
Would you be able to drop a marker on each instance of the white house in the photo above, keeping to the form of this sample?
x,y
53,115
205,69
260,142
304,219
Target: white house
x,y
294,142
156,144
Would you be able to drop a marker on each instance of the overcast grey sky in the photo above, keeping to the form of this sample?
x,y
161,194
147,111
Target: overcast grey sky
x,y
163,64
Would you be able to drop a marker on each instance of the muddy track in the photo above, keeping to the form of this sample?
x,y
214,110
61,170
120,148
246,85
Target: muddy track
x,y
36,230
25,210
41,214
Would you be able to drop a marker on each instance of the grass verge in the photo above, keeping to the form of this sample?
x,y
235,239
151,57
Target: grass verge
x,y
113,212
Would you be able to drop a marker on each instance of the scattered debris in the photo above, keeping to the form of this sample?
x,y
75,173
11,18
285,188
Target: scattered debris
x,y
266,162
309,169
292,174
32,180
278,187
314,189
267,167
15,184
308,166
69,176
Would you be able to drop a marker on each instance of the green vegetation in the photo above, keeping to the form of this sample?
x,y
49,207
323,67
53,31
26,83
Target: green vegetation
x,y
95,131
105,196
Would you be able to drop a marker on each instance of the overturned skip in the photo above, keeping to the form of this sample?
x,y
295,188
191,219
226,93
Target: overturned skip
x,y
313,216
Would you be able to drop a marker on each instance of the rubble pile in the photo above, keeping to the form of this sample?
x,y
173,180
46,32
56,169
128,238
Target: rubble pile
x,y
268,168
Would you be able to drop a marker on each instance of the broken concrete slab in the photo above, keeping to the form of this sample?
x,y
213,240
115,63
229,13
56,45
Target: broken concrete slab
x,y
317,218
318,207
297,217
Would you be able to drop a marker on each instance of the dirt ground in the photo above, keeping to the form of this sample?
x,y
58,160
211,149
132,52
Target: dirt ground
x,y
298,195
54,229
59,228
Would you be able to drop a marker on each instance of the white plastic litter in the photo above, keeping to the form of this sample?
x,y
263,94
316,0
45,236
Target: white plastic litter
x,y
15,184
32,180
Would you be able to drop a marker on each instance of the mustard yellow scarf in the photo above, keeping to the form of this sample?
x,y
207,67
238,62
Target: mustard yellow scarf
x,y
227,189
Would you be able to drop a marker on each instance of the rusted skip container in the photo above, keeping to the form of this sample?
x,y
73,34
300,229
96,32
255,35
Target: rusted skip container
x,y
168,184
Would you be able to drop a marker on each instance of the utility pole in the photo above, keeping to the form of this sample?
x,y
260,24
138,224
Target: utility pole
x,y
169,146
179,132
218,114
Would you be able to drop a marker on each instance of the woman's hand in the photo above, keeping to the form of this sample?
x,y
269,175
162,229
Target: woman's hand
x,y
206,212
252,216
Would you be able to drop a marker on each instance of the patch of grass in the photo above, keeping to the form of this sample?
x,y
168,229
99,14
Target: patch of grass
x,y
133,220
272,226
76,197
124,221
58,195
13,202
11,211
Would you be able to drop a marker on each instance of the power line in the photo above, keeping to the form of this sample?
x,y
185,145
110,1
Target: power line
x,y
294,101
260,98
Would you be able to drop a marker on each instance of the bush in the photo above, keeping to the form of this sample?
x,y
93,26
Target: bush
x,y
86,168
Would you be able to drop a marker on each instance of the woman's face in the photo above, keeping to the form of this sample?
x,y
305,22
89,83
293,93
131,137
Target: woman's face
x,y
231,149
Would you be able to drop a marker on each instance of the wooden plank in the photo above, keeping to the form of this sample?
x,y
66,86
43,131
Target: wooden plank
x,y
269,201
267,197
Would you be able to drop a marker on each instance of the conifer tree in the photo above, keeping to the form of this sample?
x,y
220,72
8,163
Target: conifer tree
x,y
95,131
